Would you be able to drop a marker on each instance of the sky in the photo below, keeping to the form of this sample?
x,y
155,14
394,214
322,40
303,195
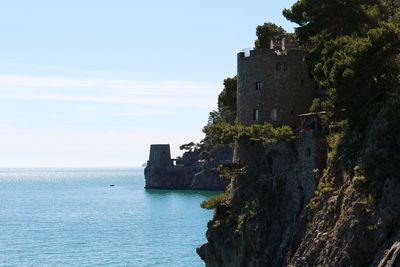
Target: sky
x,y
92,83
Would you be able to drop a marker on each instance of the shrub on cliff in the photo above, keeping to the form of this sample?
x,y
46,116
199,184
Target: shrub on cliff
x,y
225,133
213,202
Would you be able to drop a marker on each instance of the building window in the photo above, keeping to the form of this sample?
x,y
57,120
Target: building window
x,y
259,86
308,152
256,115
281,66
274,115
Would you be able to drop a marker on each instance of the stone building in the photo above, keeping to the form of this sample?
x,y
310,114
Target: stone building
x,y
274,85
160,156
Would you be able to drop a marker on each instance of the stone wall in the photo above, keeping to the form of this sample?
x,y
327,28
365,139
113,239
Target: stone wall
x,y
160,156
286,86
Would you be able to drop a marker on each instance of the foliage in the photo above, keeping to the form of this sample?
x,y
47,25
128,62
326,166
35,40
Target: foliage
x,y
249,212
225,133
227,99
353,50
226,103
213,202
230,171
266,33
189,146
360,182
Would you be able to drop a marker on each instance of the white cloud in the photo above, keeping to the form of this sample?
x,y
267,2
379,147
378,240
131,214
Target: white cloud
x,y
113,125
170,94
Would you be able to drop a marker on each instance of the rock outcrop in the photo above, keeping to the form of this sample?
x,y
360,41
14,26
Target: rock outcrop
x,y
285,212
193,171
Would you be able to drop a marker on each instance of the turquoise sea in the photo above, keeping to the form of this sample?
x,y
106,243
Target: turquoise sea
x,y
73,217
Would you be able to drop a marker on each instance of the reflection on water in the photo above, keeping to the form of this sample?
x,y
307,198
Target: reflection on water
x,y
72,217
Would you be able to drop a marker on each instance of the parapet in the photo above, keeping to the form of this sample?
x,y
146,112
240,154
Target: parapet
x,y
269,53
277,48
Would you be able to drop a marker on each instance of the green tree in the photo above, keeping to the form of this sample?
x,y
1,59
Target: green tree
x,y
353,49
267,32
189,147
227,100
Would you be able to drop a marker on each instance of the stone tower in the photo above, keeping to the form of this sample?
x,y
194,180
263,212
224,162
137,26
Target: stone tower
x,y
274,85
160,156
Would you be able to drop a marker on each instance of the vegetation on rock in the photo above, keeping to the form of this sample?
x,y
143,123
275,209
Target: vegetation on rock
x,y
214,201
225,133
353,217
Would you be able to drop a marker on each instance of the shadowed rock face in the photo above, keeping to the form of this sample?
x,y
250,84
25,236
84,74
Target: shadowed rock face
x,y
182,178
279,214
191,173
257,226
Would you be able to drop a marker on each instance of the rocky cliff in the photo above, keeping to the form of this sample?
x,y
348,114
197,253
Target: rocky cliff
x,y
286,211
290,209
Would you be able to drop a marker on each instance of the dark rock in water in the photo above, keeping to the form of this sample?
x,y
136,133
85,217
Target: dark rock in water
x,y
182,177
190,171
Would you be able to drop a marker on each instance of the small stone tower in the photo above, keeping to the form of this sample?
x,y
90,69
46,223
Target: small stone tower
x,y
160,156
274,85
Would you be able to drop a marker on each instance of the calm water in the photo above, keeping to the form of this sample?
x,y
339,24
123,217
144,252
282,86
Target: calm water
x,y
61,217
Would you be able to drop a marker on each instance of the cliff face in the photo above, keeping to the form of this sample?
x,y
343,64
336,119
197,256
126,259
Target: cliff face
x,y
284,212
358,223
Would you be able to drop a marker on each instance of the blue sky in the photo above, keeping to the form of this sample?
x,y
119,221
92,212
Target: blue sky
x,y
92,83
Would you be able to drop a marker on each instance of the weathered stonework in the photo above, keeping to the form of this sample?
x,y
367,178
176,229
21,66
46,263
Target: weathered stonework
x,y
286,86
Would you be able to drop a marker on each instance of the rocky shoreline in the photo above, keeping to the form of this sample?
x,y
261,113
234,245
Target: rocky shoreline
x,y
190,172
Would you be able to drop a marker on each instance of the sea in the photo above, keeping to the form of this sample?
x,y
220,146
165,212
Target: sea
x,y
97,217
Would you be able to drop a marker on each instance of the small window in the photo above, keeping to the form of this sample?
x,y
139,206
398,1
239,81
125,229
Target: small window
x,y
274,115
308,152
292,112
259,86
278,66
256,115
284,66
